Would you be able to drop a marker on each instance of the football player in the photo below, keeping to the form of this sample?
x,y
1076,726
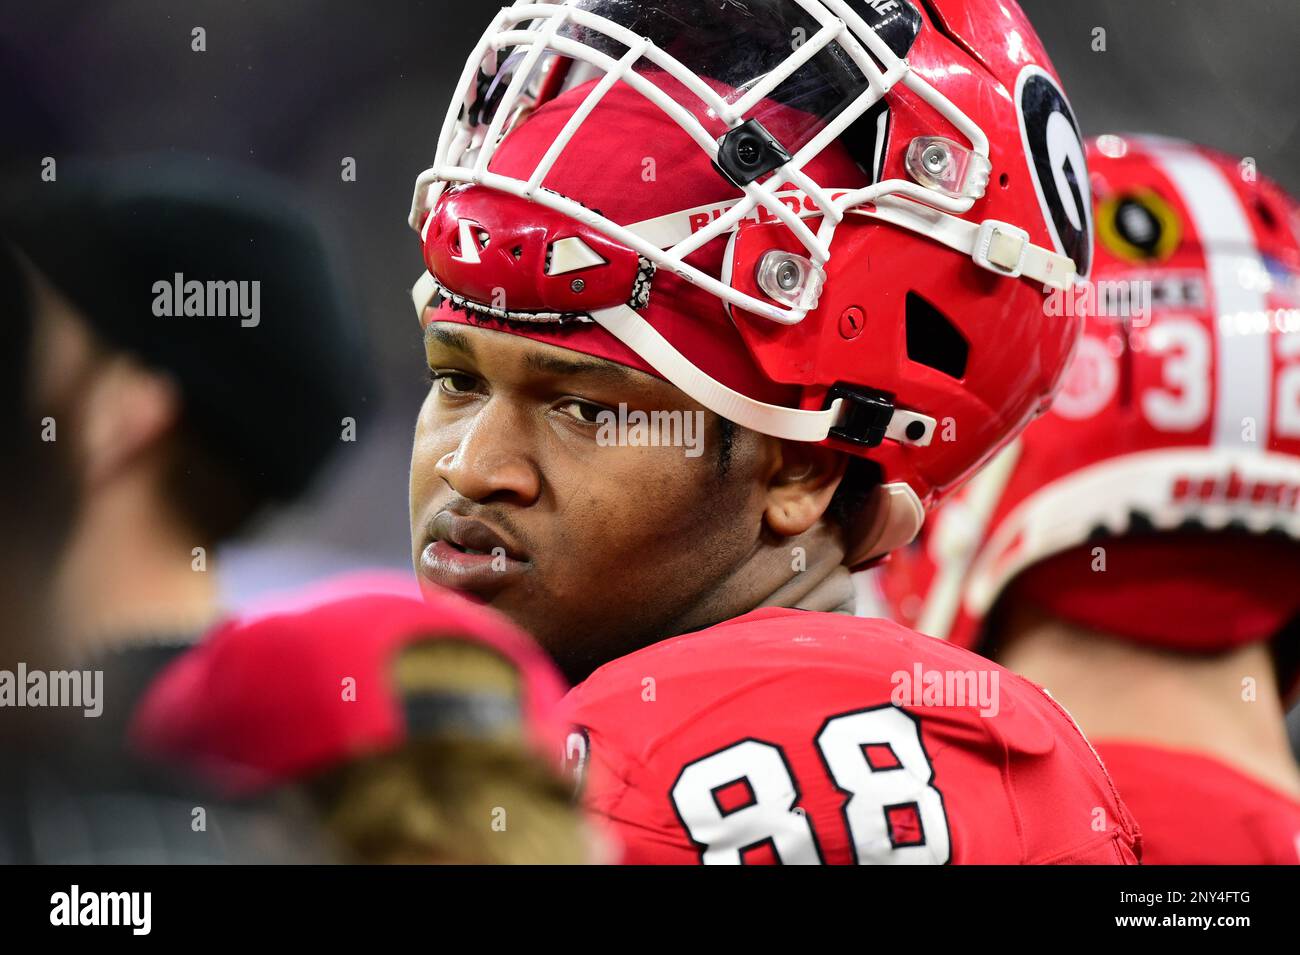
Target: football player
x,y
68,793
1136,550
719,299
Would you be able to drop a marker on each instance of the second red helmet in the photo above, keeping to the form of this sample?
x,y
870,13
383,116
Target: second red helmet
x,y
1159,500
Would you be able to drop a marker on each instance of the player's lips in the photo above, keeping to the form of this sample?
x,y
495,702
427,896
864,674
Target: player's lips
x,y
465,554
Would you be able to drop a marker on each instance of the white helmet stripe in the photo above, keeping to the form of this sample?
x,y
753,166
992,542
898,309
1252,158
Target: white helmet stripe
x,y
1232,260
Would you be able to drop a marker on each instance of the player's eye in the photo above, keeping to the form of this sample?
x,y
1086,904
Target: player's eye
x,y
452,382
583,411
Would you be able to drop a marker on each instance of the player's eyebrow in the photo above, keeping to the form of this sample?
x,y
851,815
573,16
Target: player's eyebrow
x,y
605,371
448,338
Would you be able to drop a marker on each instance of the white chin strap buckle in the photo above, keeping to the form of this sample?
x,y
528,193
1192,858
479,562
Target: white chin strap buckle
x,y
1000,247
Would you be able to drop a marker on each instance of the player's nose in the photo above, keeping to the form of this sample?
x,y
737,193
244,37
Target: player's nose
x,y
493,461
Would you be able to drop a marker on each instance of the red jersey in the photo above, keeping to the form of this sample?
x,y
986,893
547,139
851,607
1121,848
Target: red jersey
x,y
1196,810
797,737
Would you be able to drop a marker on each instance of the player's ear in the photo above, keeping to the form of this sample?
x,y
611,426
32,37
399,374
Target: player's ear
x,y
129,410
803,481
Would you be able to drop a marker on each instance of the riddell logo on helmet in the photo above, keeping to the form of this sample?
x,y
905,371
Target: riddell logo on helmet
x,y
1282,494
798,202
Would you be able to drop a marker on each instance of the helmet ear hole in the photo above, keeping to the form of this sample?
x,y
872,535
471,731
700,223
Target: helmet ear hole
x,y
933,340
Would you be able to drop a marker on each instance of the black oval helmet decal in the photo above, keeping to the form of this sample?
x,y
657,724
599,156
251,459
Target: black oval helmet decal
x,y
1054,149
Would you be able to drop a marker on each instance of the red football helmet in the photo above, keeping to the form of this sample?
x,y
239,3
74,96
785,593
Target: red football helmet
x,y
1157,500
258,702
825,220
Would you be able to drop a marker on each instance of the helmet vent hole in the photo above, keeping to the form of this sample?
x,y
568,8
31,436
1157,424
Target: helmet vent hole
x,y
1266,214
933,340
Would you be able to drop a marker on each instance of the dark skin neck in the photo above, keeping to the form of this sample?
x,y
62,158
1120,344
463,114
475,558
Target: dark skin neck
x,y
776,574
779,576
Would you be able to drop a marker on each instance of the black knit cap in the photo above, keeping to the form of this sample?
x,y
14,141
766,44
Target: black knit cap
x,y
267,398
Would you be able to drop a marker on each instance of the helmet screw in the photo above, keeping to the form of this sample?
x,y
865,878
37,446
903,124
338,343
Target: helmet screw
x,y
935,158
577,285
852,321
787,275
747,151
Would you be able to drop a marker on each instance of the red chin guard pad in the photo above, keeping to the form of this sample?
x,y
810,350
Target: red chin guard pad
x,y
498,249
1195,592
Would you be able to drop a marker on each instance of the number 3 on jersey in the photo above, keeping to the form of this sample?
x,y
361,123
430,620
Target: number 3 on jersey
x,y
772,816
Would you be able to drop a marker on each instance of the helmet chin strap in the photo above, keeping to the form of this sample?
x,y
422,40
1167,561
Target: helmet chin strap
x,y
625,324
994,245
793,424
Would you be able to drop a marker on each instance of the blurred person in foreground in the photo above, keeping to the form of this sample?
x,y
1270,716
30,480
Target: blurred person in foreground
x,y
415,732
199,365
68,791
1137,551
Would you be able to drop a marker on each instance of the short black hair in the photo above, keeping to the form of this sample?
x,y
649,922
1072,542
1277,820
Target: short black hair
x,y
726,443
265,403
15,357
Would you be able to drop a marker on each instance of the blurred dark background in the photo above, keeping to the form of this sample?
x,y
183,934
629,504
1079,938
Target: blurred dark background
x,y
296,86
